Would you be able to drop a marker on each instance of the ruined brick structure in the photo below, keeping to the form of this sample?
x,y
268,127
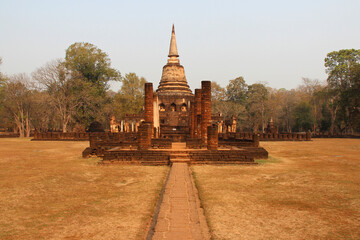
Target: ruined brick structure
x,y
174,114
271,128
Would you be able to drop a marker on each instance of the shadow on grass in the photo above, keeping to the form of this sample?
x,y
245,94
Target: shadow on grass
x,y
269,160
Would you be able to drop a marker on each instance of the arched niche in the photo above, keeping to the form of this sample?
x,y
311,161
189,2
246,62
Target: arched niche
x,y
173,107
183,107
162,107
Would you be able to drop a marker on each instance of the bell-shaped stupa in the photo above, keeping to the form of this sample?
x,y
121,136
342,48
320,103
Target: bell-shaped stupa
x,y
173,80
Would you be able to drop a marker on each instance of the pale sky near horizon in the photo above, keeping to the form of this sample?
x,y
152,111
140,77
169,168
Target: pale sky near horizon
x,y
277,42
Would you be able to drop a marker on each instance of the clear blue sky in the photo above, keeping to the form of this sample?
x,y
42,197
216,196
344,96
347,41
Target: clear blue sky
x,y
277,42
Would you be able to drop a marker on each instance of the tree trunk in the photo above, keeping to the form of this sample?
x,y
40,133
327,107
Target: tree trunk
x,y
28,127
315,112
262,119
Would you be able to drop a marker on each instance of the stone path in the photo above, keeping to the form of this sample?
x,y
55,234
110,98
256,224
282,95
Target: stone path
x,y
180,215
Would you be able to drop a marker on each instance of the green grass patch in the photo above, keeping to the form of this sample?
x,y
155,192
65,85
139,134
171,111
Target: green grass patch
x,y
269,160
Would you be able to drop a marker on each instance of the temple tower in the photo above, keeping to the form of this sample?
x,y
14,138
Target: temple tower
x,y
174,97
173,80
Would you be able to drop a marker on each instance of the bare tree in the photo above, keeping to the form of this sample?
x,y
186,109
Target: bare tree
x,y
17,101
65,90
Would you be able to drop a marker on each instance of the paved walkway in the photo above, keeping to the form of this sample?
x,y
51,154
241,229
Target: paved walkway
x,y
180,215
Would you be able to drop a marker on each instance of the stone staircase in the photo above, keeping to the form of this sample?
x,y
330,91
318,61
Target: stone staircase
x,y
179,156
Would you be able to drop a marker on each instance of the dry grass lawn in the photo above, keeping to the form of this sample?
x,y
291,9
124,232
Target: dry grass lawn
x,y
307,190
47,191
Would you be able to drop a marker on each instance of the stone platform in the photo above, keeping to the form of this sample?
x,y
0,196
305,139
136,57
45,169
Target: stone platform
x,y
179,153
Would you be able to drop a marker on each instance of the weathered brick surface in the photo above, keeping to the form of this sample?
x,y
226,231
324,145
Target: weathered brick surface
x,y
192,120
268,136
158,157
160,143
72,136
246,155
194,143
213,138
197,112
205,108
146,157
145,133
149,106
236,143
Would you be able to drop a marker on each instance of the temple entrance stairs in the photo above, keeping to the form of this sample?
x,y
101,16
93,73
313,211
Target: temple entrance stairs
x,y
179,153
179,157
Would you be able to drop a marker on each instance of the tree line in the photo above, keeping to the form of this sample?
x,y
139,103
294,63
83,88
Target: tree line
x,y
332,106
69,94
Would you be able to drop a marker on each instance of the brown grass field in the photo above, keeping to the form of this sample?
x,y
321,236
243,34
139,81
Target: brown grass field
x,y
47,191
307,190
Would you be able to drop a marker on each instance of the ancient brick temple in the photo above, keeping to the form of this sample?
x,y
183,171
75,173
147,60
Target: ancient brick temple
x,y
177,114
171,114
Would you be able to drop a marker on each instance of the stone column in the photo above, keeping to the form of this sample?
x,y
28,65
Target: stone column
x,y
205,109
197,112
149,105
144,136
156,122
212,137
122,126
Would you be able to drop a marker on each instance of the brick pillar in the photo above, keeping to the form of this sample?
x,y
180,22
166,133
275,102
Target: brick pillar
x,y
149,105
192,120
308,136
197,111
256,139
144,136
212,137
205,109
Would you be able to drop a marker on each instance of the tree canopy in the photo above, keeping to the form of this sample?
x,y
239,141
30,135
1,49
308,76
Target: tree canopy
x,y
130,98
92,63
236,90
343,88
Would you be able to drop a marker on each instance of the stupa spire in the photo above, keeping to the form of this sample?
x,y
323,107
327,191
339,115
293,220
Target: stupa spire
x,y
173,53
173,80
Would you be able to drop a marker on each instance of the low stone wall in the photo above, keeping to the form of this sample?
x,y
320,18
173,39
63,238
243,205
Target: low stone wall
x,y
160,143
237,143
9,135
324,135
60,136
267,136
220,157
158,157
143,157
72,136
285,136
194,143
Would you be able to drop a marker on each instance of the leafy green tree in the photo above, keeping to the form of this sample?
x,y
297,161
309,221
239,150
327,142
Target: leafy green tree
x,y
130,98
341,67
2,77
236,90
257,95
93,67
354,96
303,117
92,63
